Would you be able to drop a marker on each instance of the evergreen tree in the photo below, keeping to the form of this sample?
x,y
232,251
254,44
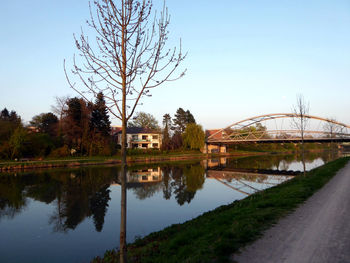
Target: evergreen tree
x,y
99,121
189,117
4,114
166,132
181,119
9,122
76,124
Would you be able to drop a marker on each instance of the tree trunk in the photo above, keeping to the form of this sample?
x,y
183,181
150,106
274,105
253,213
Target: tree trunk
x,y
123,249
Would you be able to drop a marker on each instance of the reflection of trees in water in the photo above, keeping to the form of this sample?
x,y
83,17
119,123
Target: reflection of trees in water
x,y
12,201
181,181
186,181
85,194
76,194
98,206
146,190
283,165
178,184
167,189
80,193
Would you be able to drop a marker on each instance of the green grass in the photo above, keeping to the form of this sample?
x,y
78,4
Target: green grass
x,y
215,235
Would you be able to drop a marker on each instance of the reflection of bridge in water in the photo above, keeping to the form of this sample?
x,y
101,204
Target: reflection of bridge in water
x,y
252,180
245,132
245,180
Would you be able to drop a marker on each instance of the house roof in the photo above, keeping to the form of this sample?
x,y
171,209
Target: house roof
x,y
116,129
211,132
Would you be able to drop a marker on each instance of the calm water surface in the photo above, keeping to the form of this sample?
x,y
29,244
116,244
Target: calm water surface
x,y
73,215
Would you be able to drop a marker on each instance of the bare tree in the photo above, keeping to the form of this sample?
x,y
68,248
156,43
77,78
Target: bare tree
x,y
59,109
61,106
332,128
301,120
127,59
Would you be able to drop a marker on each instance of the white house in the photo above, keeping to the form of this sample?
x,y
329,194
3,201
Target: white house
x,y
139,138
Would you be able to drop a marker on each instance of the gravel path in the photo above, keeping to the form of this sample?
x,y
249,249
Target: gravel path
x,y
318,231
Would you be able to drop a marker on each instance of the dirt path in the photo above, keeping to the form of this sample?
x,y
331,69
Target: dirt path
x,y
318,231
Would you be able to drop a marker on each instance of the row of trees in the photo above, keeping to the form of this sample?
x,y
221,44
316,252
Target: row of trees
x,y
77,127
81,128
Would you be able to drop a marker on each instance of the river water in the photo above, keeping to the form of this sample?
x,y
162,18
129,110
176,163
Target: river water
x,y
73,215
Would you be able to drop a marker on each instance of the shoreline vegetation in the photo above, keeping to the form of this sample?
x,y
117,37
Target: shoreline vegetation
x,y
131,159
215,235
146,157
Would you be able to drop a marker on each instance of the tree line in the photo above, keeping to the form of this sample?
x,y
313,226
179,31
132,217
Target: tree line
x,y
77,127
81,128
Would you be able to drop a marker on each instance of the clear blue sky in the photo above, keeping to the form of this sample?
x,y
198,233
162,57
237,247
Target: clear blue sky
x,y
245,58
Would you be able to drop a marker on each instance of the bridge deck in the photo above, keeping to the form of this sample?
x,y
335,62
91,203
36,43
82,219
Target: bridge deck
x,y
288,140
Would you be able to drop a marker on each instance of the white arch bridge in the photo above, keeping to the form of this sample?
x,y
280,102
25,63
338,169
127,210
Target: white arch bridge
x,y
281,128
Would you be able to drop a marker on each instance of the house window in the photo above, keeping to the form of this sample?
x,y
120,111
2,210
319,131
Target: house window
x,y
155,178
135,137
144,145
144,177
155,169
135,146
144,137
155,145
155,137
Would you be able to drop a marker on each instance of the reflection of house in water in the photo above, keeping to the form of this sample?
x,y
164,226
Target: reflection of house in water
x,y
149,175
215,162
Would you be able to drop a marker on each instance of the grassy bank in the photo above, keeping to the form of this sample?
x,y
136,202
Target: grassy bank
x,y
213,236
8,166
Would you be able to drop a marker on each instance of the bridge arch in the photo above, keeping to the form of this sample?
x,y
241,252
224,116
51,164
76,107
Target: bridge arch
x,y
232,132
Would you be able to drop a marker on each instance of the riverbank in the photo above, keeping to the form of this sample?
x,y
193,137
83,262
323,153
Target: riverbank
x,y
317,231
215,235
140,159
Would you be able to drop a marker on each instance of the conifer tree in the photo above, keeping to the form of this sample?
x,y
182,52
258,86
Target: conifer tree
x,y
99,121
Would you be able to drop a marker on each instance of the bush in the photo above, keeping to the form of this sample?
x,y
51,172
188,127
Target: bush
x,y
60,152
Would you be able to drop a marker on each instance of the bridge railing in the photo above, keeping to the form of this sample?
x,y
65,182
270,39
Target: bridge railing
x,y
280,134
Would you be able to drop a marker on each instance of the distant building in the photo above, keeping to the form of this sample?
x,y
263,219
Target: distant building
x,y
216,135
32,129
139,138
